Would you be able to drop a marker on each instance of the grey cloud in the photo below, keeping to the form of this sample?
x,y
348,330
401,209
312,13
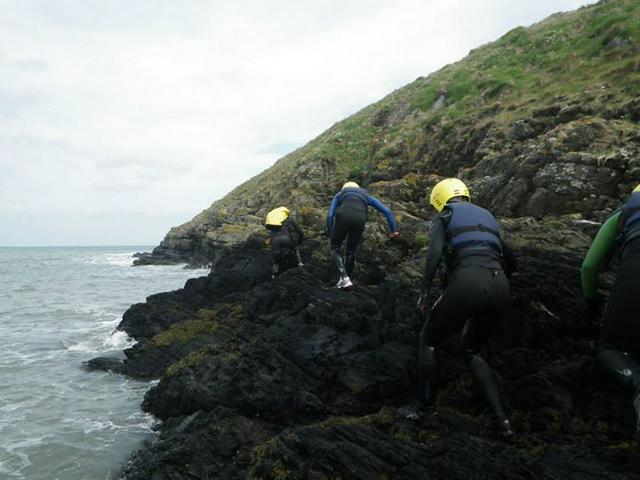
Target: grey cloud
x,y
31,65
35,141
167,166
114,15
279,148
14,103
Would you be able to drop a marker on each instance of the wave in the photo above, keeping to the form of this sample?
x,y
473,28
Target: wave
x,y
120,259
103,339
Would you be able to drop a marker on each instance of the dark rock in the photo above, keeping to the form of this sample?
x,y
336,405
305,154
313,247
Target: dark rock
x,y
570,112
105,364
294,378
522,130
632,109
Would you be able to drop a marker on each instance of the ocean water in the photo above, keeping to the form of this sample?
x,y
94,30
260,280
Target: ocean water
x,y
59,308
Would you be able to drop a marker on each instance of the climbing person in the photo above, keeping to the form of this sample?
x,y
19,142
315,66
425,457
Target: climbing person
x,y
618,348
345,220
467,238
285,237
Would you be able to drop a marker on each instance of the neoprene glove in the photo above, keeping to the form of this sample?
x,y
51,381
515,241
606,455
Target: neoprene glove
x,y
595,308
423,302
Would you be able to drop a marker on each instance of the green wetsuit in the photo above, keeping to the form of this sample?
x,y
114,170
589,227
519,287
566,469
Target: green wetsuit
x,y
619,342
598,255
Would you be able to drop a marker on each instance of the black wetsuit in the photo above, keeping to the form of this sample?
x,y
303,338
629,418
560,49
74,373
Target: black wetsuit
x,y
476,295
620,322
285,239
349,224
346,219
619,346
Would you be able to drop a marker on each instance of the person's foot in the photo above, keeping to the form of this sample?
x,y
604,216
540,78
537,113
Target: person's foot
x,y
345,282
417,411
503,428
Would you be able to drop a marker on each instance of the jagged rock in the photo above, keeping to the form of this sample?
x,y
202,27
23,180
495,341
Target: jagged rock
x,y
632,109
279,369
109,364
294,379
522,130
255,370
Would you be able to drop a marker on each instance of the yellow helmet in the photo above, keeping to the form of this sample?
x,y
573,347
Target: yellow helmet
x,y
445,190
350,185
277,216
637,189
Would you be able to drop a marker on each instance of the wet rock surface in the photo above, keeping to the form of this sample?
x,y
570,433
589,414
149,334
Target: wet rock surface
x,y
292,378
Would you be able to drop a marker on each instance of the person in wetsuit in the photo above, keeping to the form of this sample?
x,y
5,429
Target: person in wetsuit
x,y
467,237
618,348
285,237
346,219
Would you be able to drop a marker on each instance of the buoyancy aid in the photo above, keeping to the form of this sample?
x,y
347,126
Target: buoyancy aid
x,y
354,197
630,219
472,226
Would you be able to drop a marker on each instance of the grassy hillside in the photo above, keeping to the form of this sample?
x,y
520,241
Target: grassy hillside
x,y
515,119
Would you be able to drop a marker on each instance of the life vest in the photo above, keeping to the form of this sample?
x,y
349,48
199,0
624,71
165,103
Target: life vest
x,y
630,220
277,216
354,197
472,226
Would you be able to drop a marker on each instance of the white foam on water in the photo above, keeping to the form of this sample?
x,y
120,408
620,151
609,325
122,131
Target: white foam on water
x,y
104,338
67,312
120,259
116,340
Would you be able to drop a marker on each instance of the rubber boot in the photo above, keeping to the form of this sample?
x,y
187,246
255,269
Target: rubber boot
x,y
344,282
428,369
636,405
486,380
428,377
337,258
350,262
619,365
626,371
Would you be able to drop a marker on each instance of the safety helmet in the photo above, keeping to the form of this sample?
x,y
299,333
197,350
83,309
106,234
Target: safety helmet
x,y
350,185
637,189
277,216
445,190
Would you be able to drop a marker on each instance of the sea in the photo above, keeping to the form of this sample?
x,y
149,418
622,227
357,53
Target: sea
x,y
59,307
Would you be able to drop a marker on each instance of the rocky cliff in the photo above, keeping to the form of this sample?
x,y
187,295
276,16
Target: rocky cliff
x,y
542,121
293,379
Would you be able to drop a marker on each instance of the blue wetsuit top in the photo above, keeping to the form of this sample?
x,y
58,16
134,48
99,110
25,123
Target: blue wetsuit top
x,y
359,194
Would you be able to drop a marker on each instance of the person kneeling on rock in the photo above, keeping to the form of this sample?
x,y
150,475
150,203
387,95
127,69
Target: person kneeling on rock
x,y
619,339
346,220
477,293
285,237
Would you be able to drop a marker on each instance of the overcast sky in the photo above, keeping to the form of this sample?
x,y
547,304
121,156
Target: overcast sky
x,y
121,118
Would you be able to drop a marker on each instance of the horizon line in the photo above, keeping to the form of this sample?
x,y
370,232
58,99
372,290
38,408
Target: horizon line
x,y
76,246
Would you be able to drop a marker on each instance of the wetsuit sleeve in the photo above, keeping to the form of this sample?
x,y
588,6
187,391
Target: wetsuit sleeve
x,y
598,254
381,207
298,230
437,244
510,261
332,212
